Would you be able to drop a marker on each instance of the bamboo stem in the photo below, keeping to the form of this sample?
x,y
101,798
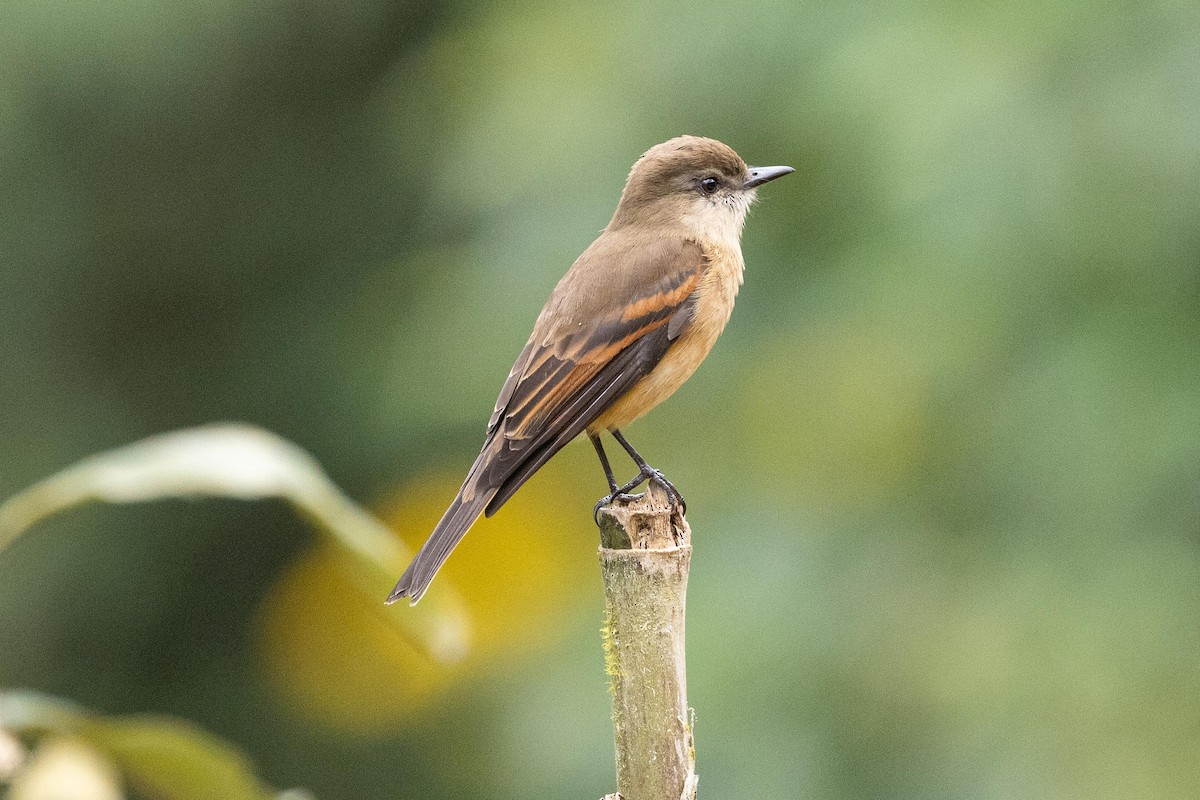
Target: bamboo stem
x,y
645,555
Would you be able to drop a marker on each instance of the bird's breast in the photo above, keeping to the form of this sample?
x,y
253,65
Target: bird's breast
x,y
715,294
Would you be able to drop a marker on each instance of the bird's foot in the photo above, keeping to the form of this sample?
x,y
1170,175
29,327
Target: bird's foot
x,y
647,474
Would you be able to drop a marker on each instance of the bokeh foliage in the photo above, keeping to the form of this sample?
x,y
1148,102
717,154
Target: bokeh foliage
x,y
942,468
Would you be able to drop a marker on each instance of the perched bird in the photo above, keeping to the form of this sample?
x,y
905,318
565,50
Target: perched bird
x,y
624,328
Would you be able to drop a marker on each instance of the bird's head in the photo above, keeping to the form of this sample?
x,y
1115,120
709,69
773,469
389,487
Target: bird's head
x,y
700,183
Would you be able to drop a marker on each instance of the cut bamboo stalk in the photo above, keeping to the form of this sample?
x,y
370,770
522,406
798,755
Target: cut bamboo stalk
x,y
645,555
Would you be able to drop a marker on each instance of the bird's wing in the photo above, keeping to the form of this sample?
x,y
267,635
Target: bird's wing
x,y
606,326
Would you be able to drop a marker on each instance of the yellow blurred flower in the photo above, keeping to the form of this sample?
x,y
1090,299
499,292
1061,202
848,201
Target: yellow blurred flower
x,y
334,653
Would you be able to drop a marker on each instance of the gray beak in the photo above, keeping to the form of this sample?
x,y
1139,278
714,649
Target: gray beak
x,y
760,175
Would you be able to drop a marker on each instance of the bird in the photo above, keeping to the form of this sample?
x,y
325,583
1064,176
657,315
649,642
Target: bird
x,y
628,323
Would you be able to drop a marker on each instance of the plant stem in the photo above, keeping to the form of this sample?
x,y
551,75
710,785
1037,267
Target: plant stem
x,y
645,555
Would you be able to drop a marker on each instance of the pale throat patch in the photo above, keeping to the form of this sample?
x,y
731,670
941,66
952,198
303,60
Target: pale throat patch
x,y
720,218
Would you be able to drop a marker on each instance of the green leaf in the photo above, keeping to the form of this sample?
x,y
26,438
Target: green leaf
x,y
249,463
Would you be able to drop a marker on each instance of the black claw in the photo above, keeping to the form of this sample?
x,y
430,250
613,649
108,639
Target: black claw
x,y
601,503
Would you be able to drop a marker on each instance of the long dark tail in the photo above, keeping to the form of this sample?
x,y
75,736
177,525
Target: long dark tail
x,y
454,525
495,476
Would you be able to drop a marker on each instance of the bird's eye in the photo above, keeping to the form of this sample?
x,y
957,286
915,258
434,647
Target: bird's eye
x,y
709,184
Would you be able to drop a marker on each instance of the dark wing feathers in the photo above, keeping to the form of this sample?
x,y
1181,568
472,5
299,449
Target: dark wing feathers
x,y
558,371
682,317
608,384
510,385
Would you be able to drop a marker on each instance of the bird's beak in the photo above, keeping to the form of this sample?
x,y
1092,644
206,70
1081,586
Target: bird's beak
x,y
760,175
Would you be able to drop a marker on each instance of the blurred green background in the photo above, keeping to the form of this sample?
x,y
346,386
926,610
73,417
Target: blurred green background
x,y
943,468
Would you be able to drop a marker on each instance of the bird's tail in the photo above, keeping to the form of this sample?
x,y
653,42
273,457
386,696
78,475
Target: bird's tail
x,y
455,523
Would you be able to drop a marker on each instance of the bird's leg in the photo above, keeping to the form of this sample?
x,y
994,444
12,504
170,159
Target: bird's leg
x,y
614,490
608,473
645,473
648,473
